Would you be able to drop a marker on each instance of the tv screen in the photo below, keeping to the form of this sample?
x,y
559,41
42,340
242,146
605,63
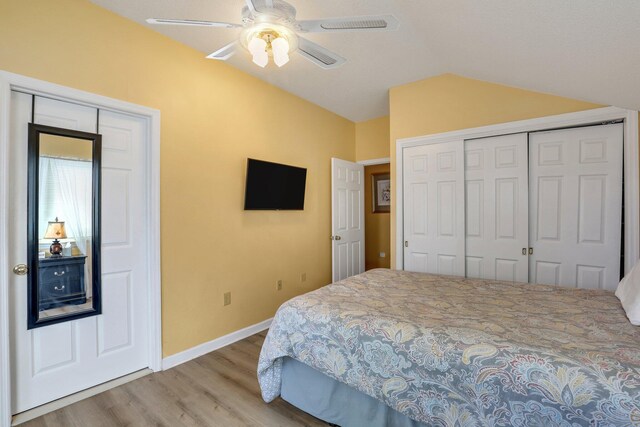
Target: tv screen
x,y
272,186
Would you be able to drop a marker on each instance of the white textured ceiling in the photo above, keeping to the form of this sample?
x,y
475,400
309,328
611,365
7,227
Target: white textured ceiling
x,y
583,49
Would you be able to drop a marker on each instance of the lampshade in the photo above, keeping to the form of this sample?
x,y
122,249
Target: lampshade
x,y
261,59
55,230
258,49
280,49
257,46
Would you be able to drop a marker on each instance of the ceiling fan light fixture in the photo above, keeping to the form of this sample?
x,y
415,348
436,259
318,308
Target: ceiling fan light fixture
x,y
274,39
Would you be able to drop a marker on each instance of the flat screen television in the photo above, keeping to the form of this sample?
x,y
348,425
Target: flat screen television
x,y
273,186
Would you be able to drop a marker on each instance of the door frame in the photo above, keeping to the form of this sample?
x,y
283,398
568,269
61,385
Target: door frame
x,y
581,118
11,81
365,163
373,162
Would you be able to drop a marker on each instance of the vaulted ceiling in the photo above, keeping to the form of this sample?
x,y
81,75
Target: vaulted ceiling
x,y
583,49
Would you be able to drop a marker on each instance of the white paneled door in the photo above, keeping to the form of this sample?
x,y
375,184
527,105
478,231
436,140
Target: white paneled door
x,y
433,189
496,205
347,218
54,361
576,202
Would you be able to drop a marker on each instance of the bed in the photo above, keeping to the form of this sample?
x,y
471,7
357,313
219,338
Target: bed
x,y
450,351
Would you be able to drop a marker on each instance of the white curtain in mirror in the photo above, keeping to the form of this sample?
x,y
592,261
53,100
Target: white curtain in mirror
x,y
66,192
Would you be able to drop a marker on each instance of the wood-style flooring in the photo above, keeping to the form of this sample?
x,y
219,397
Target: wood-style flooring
x,y
217,389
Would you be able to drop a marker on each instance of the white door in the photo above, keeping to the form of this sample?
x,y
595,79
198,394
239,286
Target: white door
x,y
433,190
347,218
54,361
496,205
576,202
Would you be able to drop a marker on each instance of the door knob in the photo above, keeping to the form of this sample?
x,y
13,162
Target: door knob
x,y
338,238
21,269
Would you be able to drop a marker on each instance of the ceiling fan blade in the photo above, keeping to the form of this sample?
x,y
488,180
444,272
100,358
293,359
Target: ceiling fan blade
x,y
190,23
224,52
252,6
259,6
320,56
352,23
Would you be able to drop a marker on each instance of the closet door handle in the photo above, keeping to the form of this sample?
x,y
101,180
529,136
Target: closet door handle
x,y
524,251
530,251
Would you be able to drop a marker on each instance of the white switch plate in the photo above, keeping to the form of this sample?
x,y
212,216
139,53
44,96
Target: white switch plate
x,y
382,255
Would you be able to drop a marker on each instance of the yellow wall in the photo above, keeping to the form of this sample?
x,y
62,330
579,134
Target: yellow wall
x,y
372,139
449,102
376,225
213,118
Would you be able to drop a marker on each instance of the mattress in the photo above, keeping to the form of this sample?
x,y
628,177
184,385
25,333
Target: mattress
x,y
446,350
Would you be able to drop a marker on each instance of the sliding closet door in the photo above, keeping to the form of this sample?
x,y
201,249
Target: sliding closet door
x,y
496,205
433,189
576,200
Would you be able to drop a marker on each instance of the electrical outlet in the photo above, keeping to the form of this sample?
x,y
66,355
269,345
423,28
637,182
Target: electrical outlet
x,y
279,285
227,298
303,277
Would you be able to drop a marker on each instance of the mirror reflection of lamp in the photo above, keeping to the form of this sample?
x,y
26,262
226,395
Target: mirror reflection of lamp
x,y
55,230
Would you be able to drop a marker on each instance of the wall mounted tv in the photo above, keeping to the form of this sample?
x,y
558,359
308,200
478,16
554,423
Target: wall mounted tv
x,y
273,186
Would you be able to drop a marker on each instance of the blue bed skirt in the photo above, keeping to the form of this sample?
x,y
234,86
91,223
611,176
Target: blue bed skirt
x,y
335,402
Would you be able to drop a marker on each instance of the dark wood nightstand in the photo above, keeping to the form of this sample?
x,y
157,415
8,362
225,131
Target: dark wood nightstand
x,y
61,281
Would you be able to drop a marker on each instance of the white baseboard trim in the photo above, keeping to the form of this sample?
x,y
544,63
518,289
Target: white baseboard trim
x,y
207,347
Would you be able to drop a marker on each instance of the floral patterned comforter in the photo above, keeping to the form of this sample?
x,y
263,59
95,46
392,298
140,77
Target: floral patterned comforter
x,y
451,351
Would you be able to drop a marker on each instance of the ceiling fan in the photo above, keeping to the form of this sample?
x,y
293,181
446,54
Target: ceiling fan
x,y
270,28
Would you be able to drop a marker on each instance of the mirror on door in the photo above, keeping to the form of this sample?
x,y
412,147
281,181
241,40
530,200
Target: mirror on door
x,y
63,225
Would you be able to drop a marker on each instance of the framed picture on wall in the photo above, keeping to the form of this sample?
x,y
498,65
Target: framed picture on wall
x,y
381,191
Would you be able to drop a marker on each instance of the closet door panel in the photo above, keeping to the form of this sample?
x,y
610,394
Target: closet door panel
x,y
549,200
576,213
433,188
496,207
507,269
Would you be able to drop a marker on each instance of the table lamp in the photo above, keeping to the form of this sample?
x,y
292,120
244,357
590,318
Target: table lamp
x,y
55,230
